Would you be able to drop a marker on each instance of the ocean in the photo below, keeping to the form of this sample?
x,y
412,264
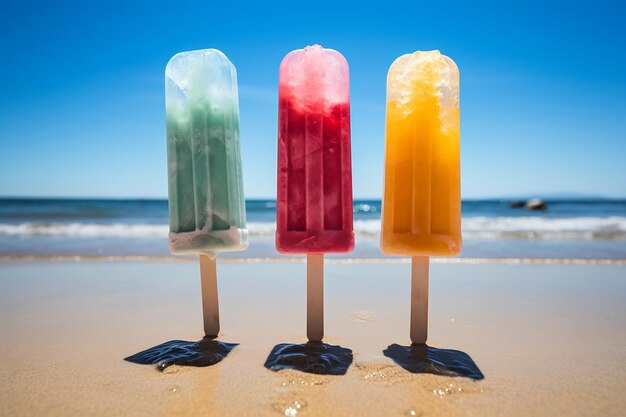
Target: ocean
x,y
587,229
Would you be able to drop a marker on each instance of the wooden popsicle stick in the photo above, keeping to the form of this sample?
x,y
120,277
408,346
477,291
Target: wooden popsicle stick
x,y
210,306
315,297
419,299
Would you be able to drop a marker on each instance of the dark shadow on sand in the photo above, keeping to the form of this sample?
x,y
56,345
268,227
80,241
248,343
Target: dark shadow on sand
x,y
426,359
314,358
205,352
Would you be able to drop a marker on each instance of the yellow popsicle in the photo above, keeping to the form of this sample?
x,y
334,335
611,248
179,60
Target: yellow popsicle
x,y
422,192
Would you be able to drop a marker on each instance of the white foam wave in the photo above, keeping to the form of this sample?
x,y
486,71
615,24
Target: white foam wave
x,y
490,228
544,228
571,224
85,230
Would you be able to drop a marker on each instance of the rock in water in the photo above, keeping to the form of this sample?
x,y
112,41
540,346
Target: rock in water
x,y
536,204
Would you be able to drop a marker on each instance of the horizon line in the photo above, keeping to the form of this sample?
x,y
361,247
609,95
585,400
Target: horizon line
x,y
563,196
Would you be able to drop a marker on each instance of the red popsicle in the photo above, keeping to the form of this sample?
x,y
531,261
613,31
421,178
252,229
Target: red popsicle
x,y
314,202
314,198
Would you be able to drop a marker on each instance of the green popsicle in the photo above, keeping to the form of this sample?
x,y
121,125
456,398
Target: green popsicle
x,y
207,208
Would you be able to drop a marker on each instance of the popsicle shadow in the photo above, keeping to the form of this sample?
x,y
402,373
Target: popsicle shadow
x,y
205,352
311,357
427,359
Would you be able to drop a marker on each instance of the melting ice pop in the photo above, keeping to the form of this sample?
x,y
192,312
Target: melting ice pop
x,y
314,198
206,203
422,192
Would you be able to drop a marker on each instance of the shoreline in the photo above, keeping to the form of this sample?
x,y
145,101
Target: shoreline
x,y
302,260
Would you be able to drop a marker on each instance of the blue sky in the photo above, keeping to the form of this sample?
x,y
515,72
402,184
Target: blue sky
x,y
543,89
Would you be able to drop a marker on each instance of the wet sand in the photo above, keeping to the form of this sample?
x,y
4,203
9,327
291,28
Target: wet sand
x,y
549,339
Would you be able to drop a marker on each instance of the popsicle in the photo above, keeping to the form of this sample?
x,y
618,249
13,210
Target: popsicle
x,y
314,196
206,203
421,214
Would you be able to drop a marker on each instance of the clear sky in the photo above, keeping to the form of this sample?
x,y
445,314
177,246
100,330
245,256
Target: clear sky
x,y
543,89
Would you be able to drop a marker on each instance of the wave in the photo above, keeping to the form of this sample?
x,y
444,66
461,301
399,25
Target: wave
x,y
527,228
567,228
364,208
84,229
484,228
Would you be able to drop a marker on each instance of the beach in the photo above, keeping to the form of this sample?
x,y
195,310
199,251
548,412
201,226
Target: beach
x,y
548,337
342,209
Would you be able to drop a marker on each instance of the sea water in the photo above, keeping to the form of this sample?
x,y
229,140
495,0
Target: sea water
x,y
590,229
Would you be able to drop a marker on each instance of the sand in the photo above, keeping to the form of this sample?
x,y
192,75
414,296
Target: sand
x,y
550,339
